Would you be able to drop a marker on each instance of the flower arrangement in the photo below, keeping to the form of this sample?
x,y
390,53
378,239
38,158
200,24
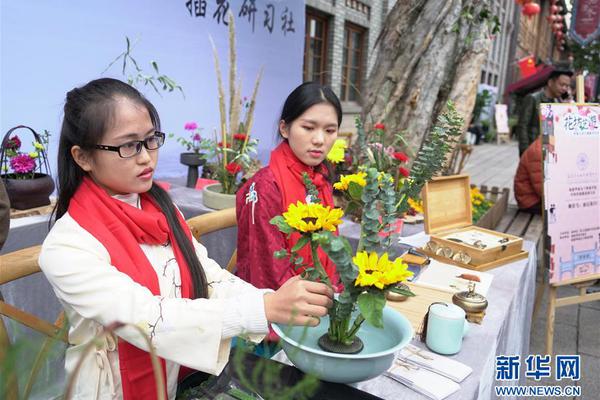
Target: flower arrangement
x,y
479,204
19,164
192,142
366,275
381,186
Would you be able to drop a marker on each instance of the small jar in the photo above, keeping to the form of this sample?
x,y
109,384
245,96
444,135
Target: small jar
x,y
470,301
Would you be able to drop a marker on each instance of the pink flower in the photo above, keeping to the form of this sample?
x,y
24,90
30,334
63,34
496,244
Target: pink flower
x,y
190,126
196,137
380,126
239,136
404,172
22,164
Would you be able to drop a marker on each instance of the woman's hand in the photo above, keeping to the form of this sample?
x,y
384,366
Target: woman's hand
x,y
298,302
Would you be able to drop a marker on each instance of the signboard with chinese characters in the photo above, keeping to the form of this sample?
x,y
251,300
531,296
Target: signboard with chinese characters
x,y
48,48
571,137
585,23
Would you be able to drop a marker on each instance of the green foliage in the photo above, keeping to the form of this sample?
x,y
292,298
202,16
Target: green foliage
x,y
279,221
586,57
138,76
482,100
371,307
311,189
431,158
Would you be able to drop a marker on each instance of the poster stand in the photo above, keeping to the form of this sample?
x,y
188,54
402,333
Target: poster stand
x,y
582,282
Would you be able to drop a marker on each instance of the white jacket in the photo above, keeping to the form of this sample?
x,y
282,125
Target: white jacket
x,y
195,333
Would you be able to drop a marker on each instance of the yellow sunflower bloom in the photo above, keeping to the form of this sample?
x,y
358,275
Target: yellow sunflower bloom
x,y
346,179
416,205
336,154
312,217
379,271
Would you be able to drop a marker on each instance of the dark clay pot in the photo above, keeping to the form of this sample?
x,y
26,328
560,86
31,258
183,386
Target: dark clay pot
x,y
29,193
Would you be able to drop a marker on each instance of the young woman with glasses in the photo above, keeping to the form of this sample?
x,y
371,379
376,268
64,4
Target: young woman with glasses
x,y
121,252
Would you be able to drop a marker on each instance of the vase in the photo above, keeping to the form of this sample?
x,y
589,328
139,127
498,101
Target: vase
x,y
212,197
193,161
29,193
300,344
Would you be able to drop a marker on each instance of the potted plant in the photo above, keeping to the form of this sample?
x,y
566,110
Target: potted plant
x,y
230,152
26,174
193,158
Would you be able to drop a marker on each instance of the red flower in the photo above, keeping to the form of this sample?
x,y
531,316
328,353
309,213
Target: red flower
x,y
233,168
400,156
404,172
380,126
220,144
14,143
239,136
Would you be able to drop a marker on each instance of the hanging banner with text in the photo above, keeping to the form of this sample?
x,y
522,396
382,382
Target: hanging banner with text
x,y
585,23
571,190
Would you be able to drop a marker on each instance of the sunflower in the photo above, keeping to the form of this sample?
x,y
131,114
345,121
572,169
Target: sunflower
x,y
336,154
379,271
416,205
312,217
346,179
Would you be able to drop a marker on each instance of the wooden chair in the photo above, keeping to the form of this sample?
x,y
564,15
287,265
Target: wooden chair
x,y
214,221
13,266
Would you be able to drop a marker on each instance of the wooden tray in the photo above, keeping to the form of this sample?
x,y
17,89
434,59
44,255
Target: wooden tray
x,y
415,308
482,267
43,210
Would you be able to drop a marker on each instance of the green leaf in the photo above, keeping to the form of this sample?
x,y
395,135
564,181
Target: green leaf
x,y
280,254
279,221
351,207
304,239
355,190
403,292
371,307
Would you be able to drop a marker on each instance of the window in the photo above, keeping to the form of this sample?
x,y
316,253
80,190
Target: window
x,y
352,63
315,48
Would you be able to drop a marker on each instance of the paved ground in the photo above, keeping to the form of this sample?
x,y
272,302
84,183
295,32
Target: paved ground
x,y
577,328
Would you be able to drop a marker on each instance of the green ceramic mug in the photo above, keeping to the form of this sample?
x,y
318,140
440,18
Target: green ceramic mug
x,y
446,327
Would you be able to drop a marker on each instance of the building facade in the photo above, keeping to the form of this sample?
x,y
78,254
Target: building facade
x,y
339,39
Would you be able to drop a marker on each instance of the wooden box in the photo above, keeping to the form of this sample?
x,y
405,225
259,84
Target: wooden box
x,y
448,219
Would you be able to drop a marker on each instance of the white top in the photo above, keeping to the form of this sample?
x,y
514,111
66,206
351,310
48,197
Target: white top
x,y
195,333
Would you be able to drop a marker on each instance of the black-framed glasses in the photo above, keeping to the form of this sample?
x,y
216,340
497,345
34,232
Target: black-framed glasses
x,y
134,147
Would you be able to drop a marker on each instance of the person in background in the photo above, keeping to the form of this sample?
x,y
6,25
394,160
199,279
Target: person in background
x,y
528,183
528,125
4,214
308,127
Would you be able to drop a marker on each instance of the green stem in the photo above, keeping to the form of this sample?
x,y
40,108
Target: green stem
x,y
356,326
317,263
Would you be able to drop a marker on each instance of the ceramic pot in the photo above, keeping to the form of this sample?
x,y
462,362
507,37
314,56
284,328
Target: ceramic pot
x,y
193,161
300,344
213,198
29,193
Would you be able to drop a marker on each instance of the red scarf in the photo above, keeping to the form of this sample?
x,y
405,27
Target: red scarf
x,y
121,228
288,169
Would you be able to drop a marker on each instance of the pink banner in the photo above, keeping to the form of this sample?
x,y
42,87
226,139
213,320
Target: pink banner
x,y
571,189
585,23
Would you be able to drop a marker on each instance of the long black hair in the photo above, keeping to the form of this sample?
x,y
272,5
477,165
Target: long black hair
x,y
304,97
89,110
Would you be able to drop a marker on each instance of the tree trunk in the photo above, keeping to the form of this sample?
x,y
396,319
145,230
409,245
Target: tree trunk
x,y
429,52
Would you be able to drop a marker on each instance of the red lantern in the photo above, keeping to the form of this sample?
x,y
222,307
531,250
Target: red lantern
x,y
559,35
557,26
561,48
559,18
531,9
553,9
